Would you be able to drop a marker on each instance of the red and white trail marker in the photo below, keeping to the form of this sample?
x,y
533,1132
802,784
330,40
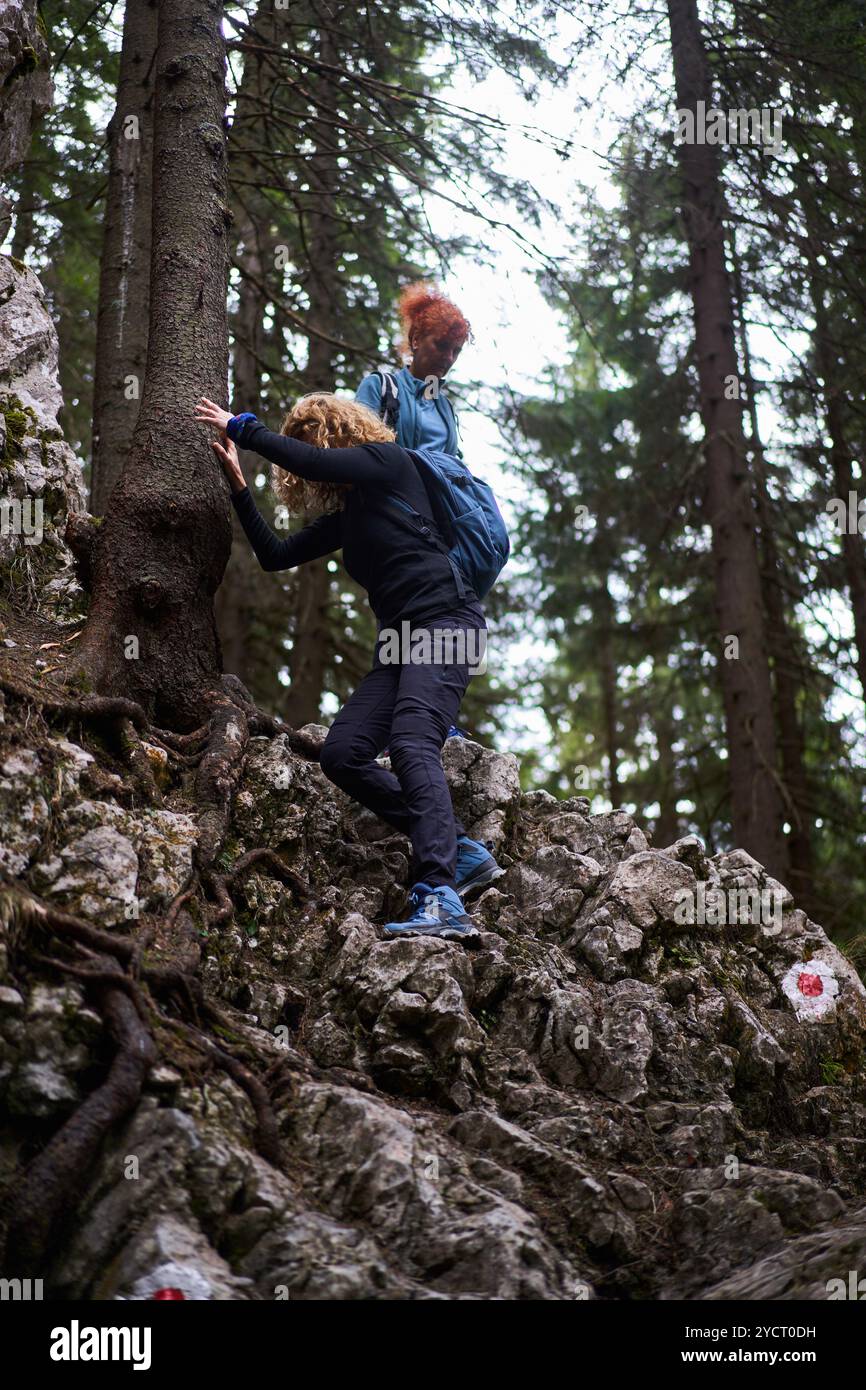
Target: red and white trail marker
x,y
811,987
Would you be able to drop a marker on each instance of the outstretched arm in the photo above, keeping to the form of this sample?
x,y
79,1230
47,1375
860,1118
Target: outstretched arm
x,y
322,536
365,463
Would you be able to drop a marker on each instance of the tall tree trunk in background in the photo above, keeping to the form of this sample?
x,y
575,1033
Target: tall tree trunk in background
x,y
246,590
22,237
756,801
852,544
605,618
667,825
787,664
311,645
853,553
124,273
161,551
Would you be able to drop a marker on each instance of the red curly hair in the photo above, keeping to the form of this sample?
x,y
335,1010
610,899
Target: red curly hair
x,y
424,307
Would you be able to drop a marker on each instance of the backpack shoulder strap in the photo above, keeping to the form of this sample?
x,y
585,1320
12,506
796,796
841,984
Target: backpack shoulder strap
x,y
419,525
437,512
389,399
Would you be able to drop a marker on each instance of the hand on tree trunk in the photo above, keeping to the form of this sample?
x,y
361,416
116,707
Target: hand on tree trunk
x,y
228,457
209,413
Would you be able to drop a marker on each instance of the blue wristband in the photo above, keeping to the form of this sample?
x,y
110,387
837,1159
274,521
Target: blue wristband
x,y
236,424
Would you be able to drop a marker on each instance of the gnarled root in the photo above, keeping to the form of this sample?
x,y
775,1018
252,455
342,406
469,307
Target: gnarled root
x,y
267,1133
52,1182
221,885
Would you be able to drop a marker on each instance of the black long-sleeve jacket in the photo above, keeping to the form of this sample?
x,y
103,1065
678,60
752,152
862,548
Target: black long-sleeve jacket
x,y
404,576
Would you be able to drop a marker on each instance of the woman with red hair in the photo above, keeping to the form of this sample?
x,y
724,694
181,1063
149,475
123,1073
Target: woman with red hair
x,y
412,401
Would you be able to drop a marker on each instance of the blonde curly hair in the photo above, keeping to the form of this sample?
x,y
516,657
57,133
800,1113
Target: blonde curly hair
x,y
329,422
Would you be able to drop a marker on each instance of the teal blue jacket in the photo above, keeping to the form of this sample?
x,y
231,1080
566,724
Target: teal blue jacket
x,y
410,424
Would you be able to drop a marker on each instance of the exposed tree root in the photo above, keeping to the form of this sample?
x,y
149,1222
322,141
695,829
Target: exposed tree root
x,y
140,945
217,778
221,885
53,1181
28,909
216,749
268,859
139,763
181,743
186,894
261,723
81,707
113,966
216,885
94,975
267,1132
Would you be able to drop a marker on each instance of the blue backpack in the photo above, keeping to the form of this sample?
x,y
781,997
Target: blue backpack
x,y
464,510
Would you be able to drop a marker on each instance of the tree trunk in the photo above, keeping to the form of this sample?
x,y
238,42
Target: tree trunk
x,y
161,551
605,622
853,551
124,272
22,238
787,664
245,590
756,800
242,591
853,556
667,826
312,648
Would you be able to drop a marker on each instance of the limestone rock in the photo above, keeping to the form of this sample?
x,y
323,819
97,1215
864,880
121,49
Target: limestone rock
x,y
600,1101
25,82
40,477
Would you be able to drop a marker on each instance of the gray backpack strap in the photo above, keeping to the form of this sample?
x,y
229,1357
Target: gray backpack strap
x,y
389,399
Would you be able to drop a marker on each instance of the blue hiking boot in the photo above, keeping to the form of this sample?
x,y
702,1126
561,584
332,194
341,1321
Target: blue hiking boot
x,y
436,912
476,867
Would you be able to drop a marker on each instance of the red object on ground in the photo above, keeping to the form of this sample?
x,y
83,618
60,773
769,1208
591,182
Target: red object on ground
x,y
810,985
168,1294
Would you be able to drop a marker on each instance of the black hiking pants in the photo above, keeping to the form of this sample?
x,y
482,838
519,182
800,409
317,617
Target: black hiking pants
x,y
408,707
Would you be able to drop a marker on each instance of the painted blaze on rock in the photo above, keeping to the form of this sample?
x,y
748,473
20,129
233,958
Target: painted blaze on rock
x,y
812,988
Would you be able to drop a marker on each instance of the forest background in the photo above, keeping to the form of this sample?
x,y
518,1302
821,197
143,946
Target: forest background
x,y
664,383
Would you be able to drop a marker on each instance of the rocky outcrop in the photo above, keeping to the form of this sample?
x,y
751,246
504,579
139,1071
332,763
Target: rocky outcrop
x,y
40,477
25,80
647,1082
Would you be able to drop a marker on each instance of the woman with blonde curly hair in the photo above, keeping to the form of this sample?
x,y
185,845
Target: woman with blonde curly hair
x,y
414,401
339,455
